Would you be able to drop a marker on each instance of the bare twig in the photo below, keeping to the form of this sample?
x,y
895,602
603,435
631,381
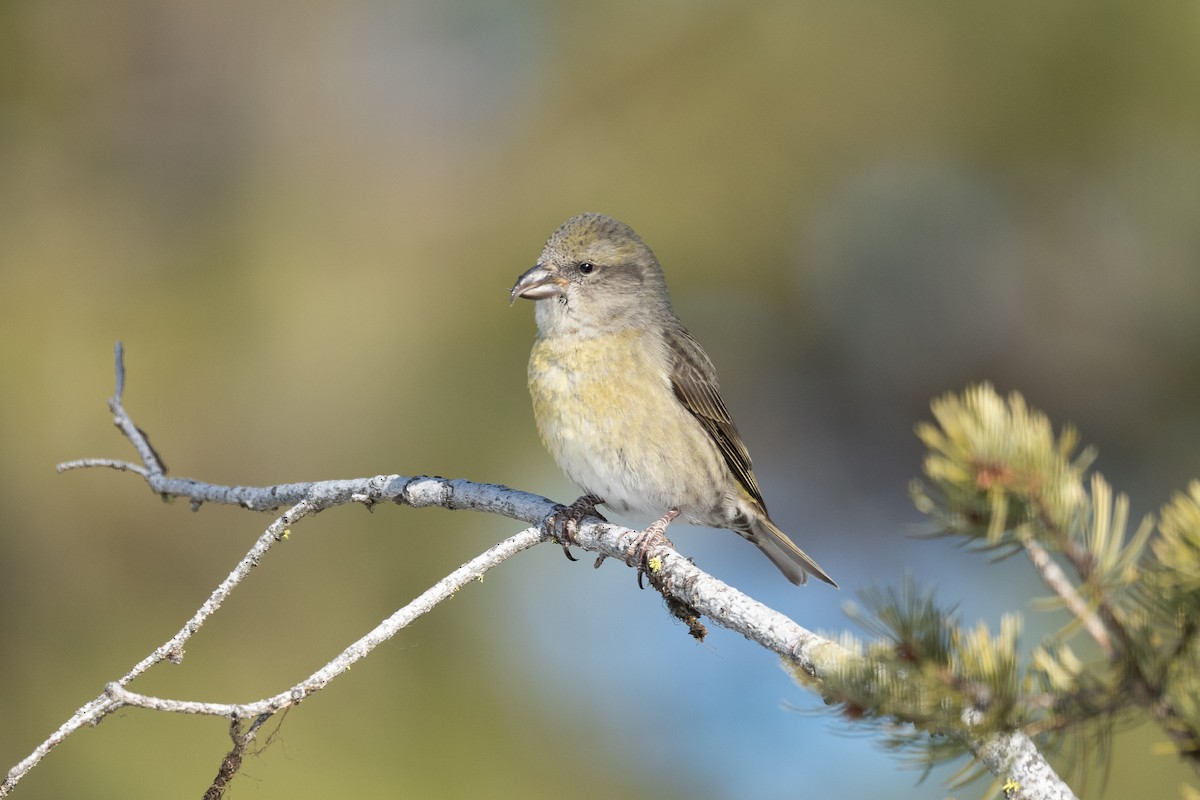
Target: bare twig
x,y
110,463
473,570
1058,582
172,650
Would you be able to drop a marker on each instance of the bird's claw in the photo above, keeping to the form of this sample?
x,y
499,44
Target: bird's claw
x,y
639,552
563,524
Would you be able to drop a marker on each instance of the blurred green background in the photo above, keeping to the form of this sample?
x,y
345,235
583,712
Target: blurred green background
x,y
303,221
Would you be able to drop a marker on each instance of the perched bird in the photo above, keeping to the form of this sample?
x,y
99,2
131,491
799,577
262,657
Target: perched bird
x,y
627,401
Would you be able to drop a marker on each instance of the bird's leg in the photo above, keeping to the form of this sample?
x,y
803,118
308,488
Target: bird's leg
x,y
563,524
639,552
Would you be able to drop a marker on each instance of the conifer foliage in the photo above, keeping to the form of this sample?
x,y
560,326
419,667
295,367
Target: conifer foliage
x,y
998,478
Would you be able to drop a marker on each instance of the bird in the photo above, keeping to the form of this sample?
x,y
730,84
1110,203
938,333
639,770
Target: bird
x,y
627,402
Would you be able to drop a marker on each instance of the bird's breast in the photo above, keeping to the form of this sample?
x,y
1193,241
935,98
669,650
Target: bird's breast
x,y
606,411
585,391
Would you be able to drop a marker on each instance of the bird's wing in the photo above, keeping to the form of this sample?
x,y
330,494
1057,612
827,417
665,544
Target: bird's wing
x,y
694,380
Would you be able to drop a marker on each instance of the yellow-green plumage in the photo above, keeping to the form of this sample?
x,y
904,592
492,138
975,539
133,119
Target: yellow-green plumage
x,y
637,457
626,401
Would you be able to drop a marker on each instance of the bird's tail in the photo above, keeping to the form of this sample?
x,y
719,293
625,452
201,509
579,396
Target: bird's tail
x,y
783,552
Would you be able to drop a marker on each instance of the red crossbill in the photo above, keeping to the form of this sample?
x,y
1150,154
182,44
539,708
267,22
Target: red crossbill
x,y
627,401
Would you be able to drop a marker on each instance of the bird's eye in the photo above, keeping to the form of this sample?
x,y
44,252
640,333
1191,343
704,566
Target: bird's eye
x,y
587,268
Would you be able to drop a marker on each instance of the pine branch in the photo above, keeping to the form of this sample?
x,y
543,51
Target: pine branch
x,y
1003,481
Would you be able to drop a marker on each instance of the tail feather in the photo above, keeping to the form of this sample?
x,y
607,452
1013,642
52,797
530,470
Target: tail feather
x,y
783,552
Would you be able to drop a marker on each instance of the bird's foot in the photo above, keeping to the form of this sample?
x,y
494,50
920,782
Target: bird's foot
x,y
563,524
655,533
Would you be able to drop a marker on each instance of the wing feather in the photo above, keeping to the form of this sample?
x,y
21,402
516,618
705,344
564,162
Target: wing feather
x,y
694,380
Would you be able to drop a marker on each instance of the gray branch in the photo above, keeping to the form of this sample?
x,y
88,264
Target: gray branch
x,y
690,593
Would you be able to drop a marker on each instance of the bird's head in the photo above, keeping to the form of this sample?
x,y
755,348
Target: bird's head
x,y
595,276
